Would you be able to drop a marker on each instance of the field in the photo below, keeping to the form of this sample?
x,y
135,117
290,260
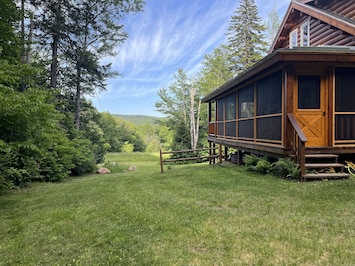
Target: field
x,y
193,214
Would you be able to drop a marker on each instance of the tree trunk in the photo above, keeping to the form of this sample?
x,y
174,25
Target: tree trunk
x,y
78,97
54,63
194,121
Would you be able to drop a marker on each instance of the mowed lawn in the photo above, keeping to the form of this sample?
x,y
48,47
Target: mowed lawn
x,y
195,214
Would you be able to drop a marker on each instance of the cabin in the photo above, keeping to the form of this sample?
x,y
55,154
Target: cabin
x,y
299,101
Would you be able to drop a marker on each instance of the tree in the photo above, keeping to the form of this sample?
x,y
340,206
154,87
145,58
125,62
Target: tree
x,y
80,34
182,103
245,38
272,25
9,38
216,70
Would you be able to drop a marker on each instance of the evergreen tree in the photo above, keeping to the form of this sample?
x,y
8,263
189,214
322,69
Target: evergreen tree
x,y
272,25
245,37
9,38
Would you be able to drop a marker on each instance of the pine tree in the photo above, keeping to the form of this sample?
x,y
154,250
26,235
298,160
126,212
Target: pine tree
x,y
272,25
245,37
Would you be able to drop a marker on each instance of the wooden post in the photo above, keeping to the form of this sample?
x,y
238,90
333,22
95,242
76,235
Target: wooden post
x,y
225,153
220,153
239,157
214,153
210,152
161,162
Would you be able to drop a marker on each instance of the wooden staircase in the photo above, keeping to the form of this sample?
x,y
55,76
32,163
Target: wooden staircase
x,y
323,166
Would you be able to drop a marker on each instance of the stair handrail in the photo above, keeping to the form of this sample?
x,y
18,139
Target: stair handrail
x,y
298,144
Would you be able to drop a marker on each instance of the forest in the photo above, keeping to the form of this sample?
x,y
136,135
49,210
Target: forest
x,y
50,62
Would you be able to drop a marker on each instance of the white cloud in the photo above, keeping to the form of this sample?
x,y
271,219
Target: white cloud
x,y
168,35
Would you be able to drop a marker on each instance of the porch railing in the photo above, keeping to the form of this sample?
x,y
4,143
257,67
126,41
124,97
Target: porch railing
x,y
298,143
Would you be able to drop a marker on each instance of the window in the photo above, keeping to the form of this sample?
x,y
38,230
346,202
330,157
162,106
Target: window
x,y
344,104
293,38
309,92
246,102
305,34
269,94
246,112
220,109
230,106
344,89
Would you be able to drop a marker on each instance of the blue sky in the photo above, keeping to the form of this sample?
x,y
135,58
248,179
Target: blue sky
x,y
166,36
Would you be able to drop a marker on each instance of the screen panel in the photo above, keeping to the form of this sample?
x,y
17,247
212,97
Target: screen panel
x,y
309,92
269,128
269,94
344,89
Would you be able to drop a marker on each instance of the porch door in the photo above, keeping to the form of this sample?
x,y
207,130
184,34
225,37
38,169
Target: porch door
x,y
311,109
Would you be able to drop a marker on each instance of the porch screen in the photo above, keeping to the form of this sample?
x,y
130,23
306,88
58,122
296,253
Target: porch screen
x,y
269,107
246,112
220,116
269,94
231,114
344,104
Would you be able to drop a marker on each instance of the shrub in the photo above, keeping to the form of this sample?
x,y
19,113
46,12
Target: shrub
x,y
250,161
127,147
285,167
263,166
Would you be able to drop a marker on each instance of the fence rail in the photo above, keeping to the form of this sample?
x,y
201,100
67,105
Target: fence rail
x,y
211,157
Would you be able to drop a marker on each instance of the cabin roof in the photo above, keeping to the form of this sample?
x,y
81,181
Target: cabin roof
x,y
310,8
296,54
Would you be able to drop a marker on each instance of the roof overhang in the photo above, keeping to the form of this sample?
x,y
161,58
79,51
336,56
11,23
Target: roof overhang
x,y
299,54
326,17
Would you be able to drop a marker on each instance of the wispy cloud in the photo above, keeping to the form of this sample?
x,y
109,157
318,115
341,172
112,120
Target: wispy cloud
x,y
168,35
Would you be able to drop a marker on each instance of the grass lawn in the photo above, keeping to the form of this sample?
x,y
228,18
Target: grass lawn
x,y
190,215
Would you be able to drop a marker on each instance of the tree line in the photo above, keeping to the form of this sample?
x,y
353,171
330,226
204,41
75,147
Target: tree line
x,y
248,38
51,55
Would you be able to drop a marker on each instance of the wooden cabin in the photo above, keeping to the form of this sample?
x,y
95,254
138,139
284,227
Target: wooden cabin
x,y
298,101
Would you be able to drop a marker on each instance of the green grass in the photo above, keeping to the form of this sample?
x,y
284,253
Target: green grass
x,y
190,215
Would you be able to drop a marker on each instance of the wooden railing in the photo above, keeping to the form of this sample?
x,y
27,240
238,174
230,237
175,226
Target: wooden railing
x,y
298,143
194,156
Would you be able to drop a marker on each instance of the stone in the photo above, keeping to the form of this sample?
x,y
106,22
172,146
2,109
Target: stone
x,y
132,168
103,170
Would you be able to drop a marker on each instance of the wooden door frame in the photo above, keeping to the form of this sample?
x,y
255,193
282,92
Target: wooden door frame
x,y
324,98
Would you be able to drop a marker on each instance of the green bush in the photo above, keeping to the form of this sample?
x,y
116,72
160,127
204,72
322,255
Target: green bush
x,y
285,167
263,166
250,161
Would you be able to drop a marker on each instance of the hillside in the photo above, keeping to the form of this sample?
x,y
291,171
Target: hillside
x,y
140,119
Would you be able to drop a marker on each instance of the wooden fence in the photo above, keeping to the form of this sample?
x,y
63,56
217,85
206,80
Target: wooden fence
x,y
211,157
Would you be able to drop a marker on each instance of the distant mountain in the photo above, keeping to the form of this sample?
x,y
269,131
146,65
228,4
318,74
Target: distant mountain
x,y
140,119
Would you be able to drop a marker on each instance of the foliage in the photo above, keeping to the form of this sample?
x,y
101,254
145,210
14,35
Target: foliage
x,y
272,25
141,119
250,161
245,39
283,167
80,34
216,70
127,147
286,168
263,166
181,102
9,38
33,145
190,215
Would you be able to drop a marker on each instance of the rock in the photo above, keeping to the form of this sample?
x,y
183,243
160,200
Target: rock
x,y
103,170
132,168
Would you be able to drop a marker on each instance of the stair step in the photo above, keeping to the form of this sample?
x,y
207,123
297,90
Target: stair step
x,y
324,165
319,155
326,175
